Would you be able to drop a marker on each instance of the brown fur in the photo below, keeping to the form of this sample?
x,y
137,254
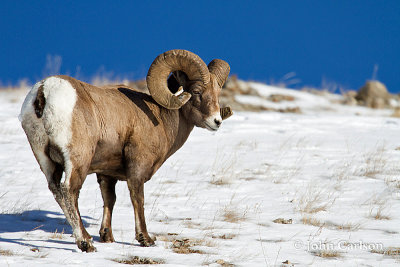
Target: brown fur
x,y
40,102
122,134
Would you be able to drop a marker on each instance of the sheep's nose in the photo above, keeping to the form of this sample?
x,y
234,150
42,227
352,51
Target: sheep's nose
x,y
217,122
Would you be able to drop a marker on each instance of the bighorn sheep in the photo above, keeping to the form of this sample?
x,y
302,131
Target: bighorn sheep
x,y
120,134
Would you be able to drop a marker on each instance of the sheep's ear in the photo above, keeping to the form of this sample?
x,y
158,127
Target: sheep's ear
x,y
225,112
176,80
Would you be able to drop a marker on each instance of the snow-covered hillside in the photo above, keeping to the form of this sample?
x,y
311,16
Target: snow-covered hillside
x,y
319,188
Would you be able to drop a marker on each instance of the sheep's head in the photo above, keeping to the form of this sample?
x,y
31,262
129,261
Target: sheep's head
x,y
193,86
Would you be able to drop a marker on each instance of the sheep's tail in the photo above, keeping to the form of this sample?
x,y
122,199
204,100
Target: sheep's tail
x,y
40,102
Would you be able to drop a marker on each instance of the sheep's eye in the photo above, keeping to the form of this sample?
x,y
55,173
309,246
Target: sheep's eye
x,y
196,92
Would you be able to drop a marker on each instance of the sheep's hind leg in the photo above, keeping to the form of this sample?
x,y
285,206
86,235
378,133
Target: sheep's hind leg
x,y
66,195
70,190
107,187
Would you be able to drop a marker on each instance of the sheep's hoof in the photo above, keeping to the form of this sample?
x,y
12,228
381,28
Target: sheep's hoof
x,y
86,246
106,235
145,241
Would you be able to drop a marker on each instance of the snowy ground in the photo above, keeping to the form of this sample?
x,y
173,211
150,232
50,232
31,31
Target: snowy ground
x,y
329,178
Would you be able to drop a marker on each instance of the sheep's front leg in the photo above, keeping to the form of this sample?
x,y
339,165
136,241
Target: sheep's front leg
x,y
137,197
107,187
139,170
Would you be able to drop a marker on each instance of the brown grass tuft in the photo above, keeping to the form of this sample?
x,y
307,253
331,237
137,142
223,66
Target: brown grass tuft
x,y
232,216
315,200
224,263
311,221
283,221
219,181
6,252
325,253
224,236
232,213
379,213
57,235
279,98
375,161
390,251
138,260
346,226
183,246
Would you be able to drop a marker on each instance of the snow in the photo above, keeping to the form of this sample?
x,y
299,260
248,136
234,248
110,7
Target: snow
x,y
333,167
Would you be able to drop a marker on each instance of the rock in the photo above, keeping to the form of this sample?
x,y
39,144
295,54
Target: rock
x,y
374,95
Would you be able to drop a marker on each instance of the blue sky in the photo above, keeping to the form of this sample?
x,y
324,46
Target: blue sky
x,y
336,41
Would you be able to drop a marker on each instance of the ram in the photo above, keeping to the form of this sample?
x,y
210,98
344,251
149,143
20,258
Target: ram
x,y
76,129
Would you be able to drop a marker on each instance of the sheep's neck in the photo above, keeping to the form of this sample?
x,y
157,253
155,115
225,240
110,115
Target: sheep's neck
x,y
181,132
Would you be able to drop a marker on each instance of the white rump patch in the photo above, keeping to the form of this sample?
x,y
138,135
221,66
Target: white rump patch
x,y
55,124
57,116
35,131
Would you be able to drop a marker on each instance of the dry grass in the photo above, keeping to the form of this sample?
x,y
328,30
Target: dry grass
x,y
315,199
378,208
375,162
346,226
220,180
283,221
287,174
132,260
230,214
393,183
6,252
39,254
57,235
223,169
182,245
191,224
308,220
279,98
224,263
15,207
224,236
326,253
379,213
390,251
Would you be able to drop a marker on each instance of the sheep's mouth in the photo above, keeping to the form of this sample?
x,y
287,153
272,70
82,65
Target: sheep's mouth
x,y
210,128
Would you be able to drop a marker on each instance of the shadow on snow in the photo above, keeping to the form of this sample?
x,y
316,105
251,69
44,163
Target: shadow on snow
x,y
27,221
47,221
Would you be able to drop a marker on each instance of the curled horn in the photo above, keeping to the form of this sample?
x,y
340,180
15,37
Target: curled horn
x,y
220,69
225,112
170,61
